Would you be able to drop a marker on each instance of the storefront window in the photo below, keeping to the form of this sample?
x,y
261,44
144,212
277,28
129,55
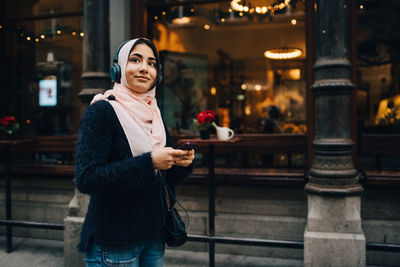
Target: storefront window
x,y
378,48
244,61
43,55
378,91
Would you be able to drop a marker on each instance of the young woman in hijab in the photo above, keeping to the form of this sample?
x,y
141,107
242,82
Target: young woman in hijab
x,y
122,142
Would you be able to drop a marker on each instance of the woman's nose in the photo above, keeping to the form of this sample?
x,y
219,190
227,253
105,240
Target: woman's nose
x,y
143,67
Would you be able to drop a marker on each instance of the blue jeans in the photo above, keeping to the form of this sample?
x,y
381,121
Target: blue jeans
x,y
148,255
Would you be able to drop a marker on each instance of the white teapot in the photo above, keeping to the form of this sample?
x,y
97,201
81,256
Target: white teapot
x,y
223,133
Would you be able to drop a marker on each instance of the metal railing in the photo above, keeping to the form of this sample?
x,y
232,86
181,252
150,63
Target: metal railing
x,y
211,238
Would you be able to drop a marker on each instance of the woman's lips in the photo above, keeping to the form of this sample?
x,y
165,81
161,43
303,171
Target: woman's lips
x,y
142,78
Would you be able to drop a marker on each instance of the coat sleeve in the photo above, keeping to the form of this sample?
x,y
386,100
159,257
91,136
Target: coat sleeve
x,y
177,174
95,172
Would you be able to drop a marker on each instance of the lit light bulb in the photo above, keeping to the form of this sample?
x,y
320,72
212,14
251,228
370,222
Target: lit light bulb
x,y
82,34
58,32
293,21
213,90
42,36
206,27
264,9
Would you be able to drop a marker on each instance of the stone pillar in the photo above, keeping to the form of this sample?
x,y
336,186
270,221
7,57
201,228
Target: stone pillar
x,y
96,47
333,235
95,79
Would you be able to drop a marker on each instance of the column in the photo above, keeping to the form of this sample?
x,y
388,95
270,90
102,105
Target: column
x,y
333,235
96,47
95,79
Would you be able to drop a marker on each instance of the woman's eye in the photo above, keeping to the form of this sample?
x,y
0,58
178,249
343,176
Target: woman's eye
x,y
152,64
135,60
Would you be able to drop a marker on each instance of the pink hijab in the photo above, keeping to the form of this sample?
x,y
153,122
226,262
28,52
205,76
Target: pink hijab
x,y
141,108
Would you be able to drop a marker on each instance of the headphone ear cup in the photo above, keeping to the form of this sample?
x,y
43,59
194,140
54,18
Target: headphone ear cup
x,y
115,73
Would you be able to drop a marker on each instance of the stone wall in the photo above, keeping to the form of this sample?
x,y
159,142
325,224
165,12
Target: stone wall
x,y
256,212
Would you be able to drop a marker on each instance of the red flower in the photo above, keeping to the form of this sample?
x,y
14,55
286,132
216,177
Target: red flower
x,y
207,116
7,120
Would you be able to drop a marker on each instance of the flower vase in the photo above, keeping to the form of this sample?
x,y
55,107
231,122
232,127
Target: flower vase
x,y
205,134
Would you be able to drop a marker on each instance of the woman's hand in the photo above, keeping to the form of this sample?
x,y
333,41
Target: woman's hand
x,y
164,158
186,159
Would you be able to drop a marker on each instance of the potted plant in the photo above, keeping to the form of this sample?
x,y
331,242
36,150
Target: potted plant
x,y
8,127
204,122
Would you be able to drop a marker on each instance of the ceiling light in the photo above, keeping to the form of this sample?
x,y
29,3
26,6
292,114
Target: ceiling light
x,y
283,53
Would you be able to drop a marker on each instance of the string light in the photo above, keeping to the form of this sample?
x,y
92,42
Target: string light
x,y
206,27
235,5
293,21
36,38
164,13
361,7
155,17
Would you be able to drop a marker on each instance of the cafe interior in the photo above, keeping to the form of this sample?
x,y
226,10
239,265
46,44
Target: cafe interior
x,y
251,62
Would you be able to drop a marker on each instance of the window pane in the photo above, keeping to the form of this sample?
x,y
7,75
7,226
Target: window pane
x,y
44,64
378,92
378,40
213,58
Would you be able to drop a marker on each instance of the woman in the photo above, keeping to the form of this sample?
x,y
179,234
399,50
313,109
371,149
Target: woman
x,y
122,143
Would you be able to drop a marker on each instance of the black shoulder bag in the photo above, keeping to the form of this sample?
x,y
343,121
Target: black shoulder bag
x,y
176,230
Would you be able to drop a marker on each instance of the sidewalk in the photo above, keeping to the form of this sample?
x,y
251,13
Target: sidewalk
x,y
49,253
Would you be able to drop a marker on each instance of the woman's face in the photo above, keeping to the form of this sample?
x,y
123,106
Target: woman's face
x,y
141,69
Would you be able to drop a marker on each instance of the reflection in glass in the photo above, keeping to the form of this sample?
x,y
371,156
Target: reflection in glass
x,y
241,85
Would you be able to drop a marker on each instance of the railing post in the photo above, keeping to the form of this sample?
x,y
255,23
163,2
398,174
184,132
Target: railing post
x,y
211,203
8,199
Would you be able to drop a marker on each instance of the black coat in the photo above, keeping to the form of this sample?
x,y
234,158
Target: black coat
x,y
125,194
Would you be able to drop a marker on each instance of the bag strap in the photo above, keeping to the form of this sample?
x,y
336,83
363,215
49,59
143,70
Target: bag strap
x,y
168,192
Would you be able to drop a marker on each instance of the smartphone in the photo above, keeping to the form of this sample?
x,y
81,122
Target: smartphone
x,y
186,146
